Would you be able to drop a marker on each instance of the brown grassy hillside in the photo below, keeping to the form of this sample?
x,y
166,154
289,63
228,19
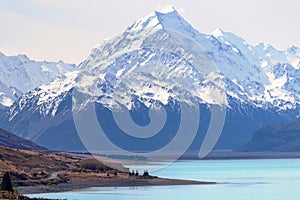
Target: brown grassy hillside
x,y
34,167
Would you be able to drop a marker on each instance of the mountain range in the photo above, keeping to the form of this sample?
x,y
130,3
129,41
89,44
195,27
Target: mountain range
x,y
158,61
19,75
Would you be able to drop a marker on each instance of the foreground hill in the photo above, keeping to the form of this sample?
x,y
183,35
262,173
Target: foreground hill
x,y
35,167
30,166
36,172
10,140
275,138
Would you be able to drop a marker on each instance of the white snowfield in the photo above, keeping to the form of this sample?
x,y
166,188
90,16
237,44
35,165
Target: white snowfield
x,y
19,74
161,58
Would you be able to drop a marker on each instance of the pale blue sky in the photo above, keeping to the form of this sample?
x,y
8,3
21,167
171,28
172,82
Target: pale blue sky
x,y
68,29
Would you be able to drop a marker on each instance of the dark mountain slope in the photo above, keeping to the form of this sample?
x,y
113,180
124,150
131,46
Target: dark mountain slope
x,y
10,140
275,138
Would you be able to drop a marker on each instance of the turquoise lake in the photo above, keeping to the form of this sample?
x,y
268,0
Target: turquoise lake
x,y
238,180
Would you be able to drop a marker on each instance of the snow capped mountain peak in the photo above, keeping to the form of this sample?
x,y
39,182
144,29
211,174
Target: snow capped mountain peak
x,y
161,49
133,38
270,56
19,74
263,54
160,60
237,44
151,49
293,54
167,18
294,50
265,46
23,57
167,9
247,70
218,32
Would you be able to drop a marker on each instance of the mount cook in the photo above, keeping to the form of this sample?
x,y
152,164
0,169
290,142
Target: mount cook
x,y
154,63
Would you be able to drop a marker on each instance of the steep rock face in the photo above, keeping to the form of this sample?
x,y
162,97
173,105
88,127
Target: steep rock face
x,y
161,61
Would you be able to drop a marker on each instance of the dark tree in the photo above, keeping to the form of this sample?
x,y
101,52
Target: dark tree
x,y
6,183
146,173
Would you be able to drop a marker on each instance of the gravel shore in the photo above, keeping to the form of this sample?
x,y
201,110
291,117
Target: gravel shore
x,y
76,185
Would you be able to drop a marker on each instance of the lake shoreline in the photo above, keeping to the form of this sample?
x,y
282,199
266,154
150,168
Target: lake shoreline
x,y
238,155
84,184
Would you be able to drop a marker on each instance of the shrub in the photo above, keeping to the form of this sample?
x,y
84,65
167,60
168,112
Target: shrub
x,y
146,173
6,183
94,165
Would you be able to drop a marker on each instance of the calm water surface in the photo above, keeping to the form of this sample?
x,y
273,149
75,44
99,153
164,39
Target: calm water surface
x,y
238,180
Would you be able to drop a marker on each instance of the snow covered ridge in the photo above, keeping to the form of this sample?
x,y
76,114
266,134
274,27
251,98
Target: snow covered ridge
x,y
156,59
248,71
19,74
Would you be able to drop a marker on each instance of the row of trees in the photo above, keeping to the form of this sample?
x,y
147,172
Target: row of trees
x,y
136,173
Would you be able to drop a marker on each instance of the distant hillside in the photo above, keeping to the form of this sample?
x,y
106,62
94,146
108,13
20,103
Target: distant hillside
x,y
10,140
275,138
